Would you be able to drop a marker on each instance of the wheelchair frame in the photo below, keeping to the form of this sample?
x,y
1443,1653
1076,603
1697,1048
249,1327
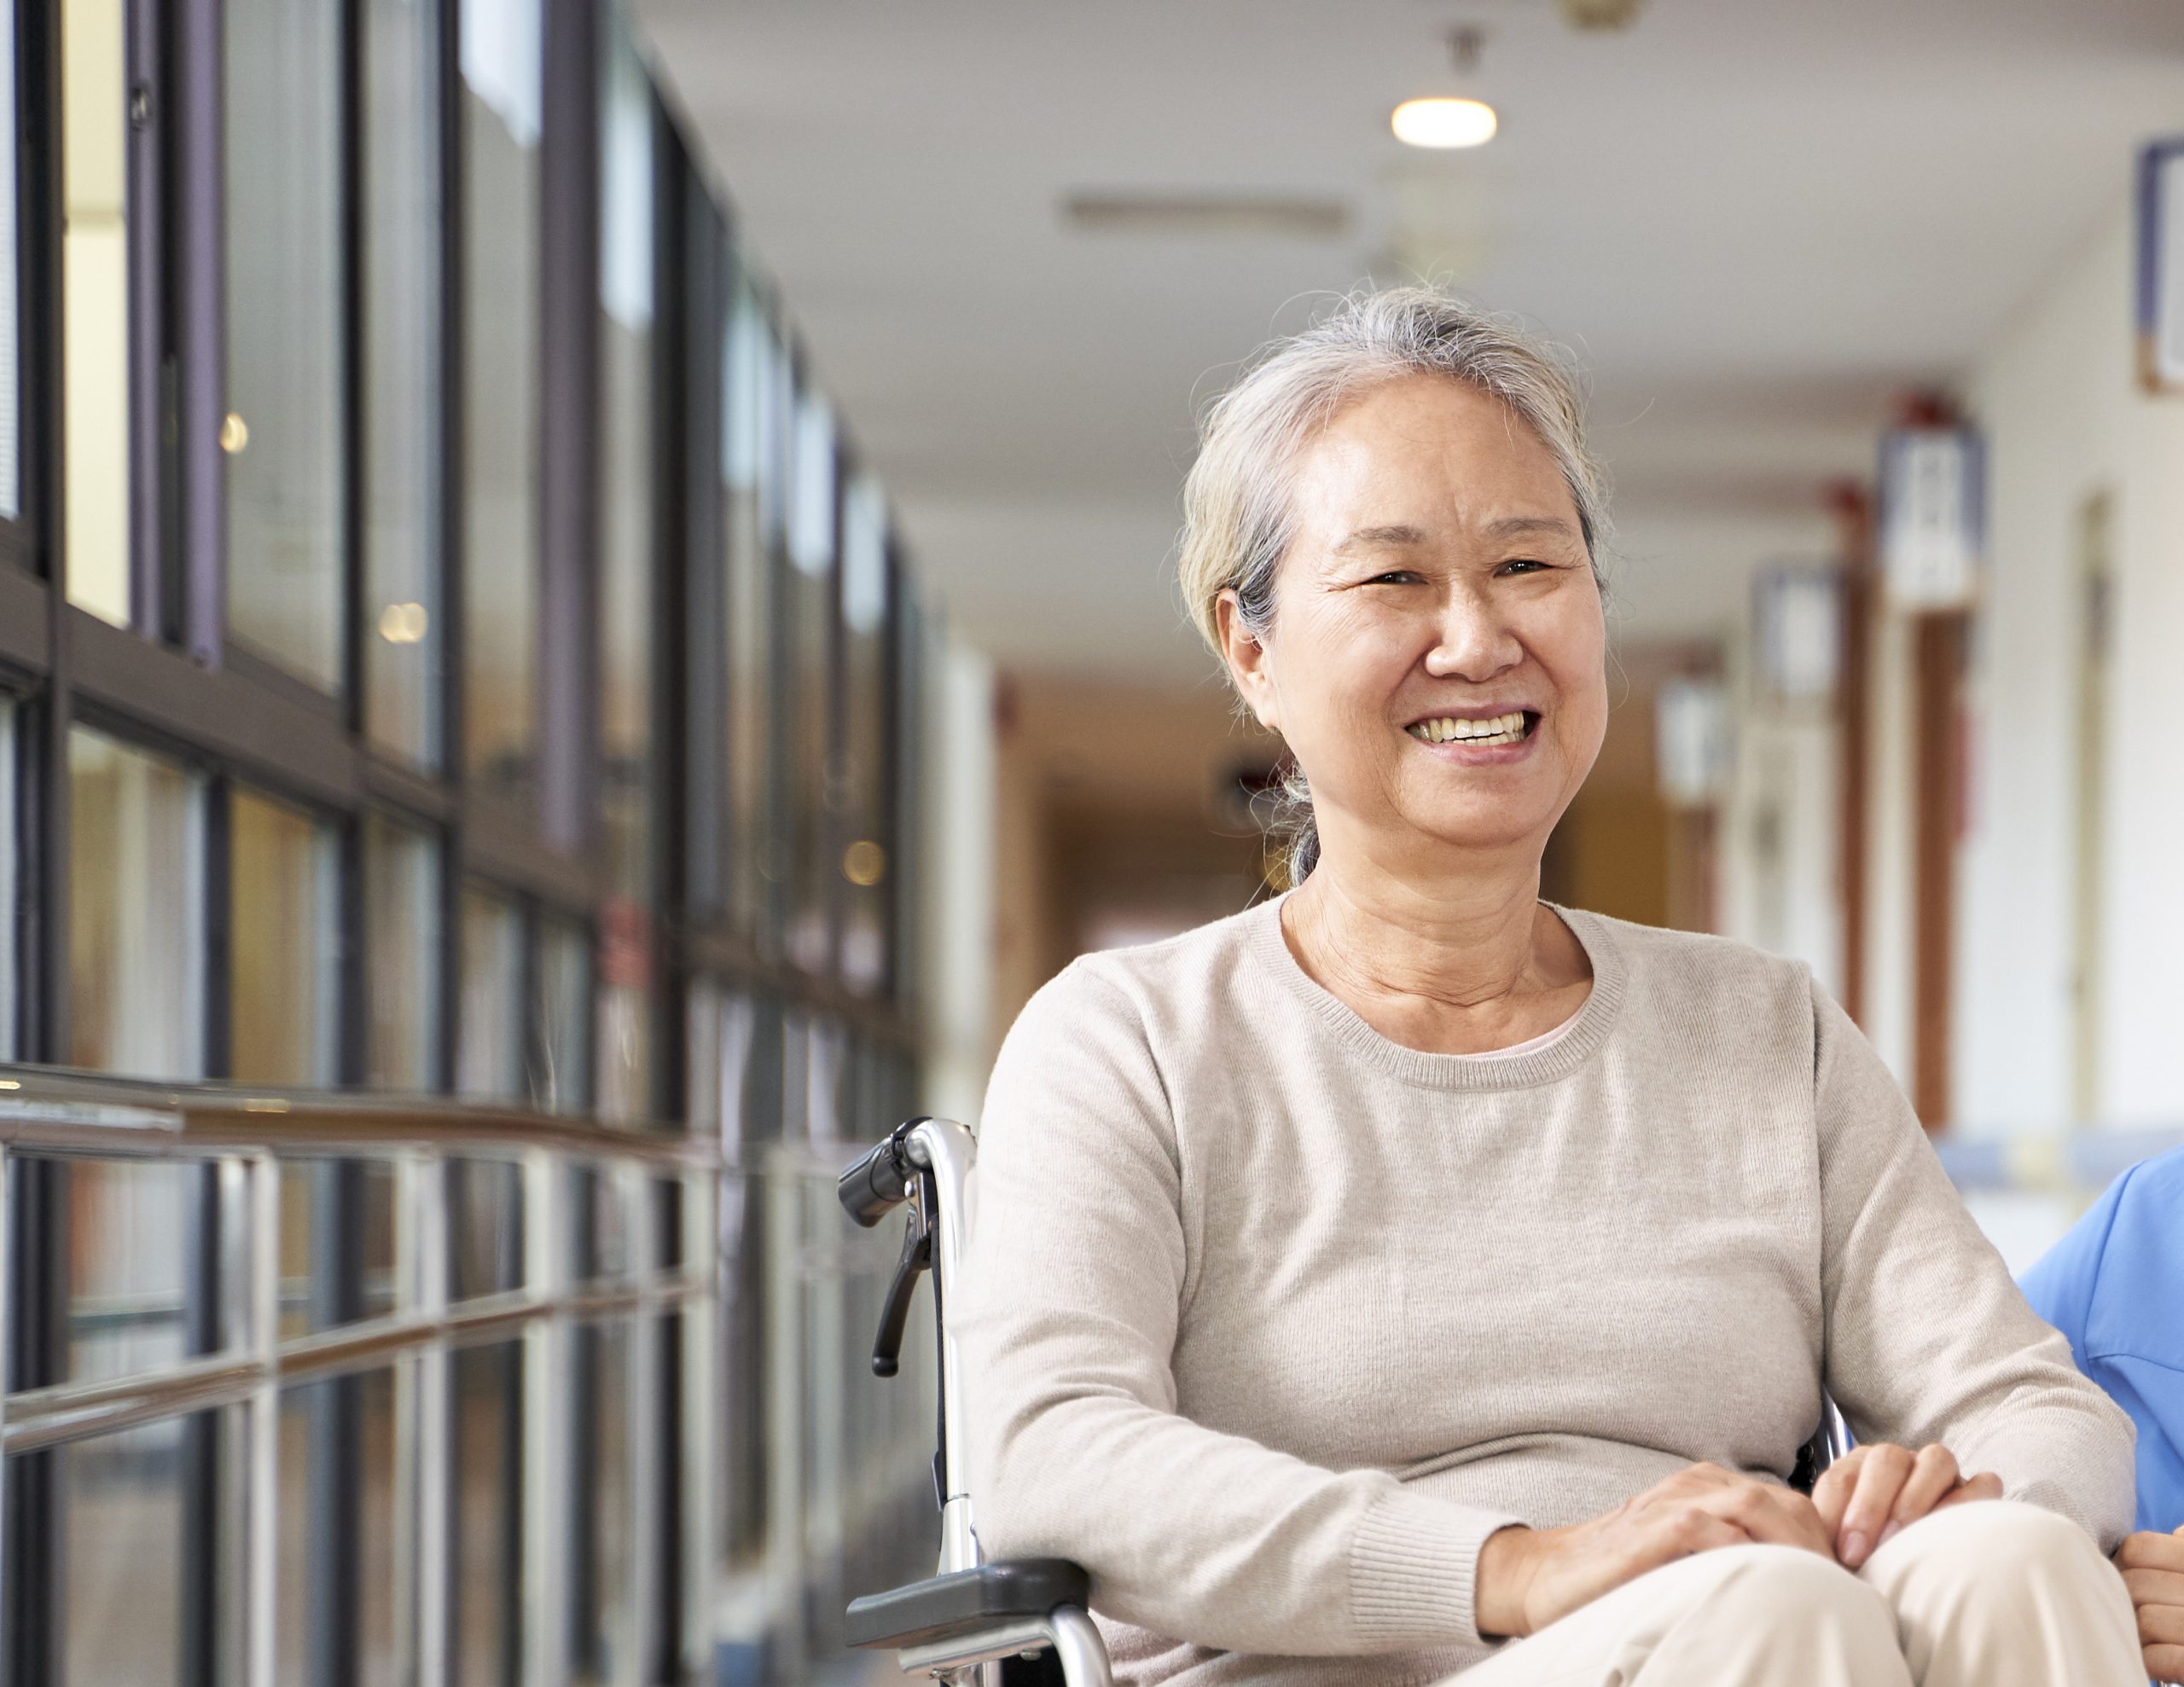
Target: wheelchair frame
x,y
975,1624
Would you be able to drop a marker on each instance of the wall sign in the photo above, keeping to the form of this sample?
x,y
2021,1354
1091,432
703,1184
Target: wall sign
x,y
1798,631
1933,499
2161,266
1692,745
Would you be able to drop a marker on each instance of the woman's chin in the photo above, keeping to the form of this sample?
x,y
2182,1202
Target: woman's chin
x,y
1472,834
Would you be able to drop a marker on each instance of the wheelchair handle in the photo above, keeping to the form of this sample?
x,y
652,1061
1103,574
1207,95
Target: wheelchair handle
x,y
879,1179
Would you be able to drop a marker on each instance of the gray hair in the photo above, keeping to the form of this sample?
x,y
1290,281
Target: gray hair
x,y
1237,518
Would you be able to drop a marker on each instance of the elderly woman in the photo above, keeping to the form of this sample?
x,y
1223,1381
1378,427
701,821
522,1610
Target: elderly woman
x,y
1407,1277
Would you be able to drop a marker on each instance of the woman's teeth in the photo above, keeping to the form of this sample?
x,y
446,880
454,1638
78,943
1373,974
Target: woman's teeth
x,y
1448,729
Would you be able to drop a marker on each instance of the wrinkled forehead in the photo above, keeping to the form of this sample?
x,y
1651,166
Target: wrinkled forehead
x,y
1428,456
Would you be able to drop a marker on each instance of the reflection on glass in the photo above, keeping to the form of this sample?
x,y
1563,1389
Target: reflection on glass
x,y
859,792
560,1078
122,1579
488,1504
811,584
601,1556
323,1427
626,288
402,282
722,1025
489,1042
337,1243
501,113
282,216
485,1209
906,818
668,1240
135,910
94,292
601,1240
283,885
10,871
752,385
402,923
11,479
751,1101
130,1226
626,299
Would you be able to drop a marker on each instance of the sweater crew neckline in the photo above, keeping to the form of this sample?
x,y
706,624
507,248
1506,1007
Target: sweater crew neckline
x,y
1575,1043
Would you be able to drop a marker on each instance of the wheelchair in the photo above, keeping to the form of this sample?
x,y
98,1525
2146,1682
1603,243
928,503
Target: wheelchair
x,y
1023,1622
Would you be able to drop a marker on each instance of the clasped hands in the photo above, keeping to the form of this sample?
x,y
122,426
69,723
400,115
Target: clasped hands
x,y
1527,1578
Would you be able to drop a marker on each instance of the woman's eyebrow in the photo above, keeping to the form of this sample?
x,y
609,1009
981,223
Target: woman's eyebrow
x,y
1513,527
1372,538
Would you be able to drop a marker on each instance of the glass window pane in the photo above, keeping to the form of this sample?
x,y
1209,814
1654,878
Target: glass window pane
x,y
751,464
602,1242
485,1202
489,1048
861,787
135,910
501,112
127,1550
402,924
11,478
561,1081
283,888
94,292
285,264
487,1514
10,880
811,585
131,1226
600,1551
403,279
325,1286
627,302
324,1426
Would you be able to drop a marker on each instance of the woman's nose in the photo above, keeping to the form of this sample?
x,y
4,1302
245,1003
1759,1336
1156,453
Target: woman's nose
x,y
1474,642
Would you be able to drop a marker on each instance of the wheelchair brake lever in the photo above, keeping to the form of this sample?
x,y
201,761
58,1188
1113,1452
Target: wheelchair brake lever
x,y
895,1314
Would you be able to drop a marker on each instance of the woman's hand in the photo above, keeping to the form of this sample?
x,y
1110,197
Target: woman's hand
x,y
1870,1493
1527,1578
2153,1569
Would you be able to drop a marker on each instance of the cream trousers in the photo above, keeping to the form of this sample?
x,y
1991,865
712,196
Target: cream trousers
x,y
1989,1594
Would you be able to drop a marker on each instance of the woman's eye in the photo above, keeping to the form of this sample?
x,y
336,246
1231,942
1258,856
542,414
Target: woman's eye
x,y
1394,577
1522,566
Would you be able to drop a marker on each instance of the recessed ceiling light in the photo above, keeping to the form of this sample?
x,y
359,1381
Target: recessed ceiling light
x,y
1444,123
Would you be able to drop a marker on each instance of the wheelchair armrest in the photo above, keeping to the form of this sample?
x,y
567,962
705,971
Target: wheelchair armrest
x,y
948,1607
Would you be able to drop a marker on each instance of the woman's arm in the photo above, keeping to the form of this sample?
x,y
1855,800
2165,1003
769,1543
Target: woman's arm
x,y
1927,1338
1077,1448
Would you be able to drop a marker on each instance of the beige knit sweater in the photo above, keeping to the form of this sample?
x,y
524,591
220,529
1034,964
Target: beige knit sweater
x,y
1274,1320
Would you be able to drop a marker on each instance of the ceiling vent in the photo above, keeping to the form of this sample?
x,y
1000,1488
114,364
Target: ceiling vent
x,y
1600,13
1260,215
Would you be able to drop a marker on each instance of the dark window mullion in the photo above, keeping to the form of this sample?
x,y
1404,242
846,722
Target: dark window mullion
x,y
200,332
349,365
678,361
454,489
568,433
145,104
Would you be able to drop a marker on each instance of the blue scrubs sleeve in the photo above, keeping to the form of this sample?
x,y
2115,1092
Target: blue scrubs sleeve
x,y
2115,1287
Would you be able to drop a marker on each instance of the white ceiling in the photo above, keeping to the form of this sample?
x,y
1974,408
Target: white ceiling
x,y
1755,221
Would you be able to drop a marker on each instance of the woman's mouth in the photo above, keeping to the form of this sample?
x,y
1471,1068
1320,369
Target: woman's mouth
x,y
1492,729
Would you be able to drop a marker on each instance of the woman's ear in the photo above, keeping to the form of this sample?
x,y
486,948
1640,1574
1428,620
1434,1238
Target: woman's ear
x,y
1247,658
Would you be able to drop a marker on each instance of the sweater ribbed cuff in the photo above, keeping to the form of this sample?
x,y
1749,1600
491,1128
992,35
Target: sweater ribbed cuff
x,y
1414,1569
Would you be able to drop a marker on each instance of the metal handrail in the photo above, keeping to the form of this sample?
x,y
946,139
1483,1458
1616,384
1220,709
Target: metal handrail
x,y
45,1110
66,1411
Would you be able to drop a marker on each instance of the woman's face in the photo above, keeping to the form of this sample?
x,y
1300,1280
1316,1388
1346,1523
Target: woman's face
x,y
1437,661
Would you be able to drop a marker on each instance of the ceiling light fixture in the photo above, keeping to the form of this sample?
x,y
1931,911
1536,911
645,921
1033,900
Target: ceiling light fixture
x,y
1444,123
